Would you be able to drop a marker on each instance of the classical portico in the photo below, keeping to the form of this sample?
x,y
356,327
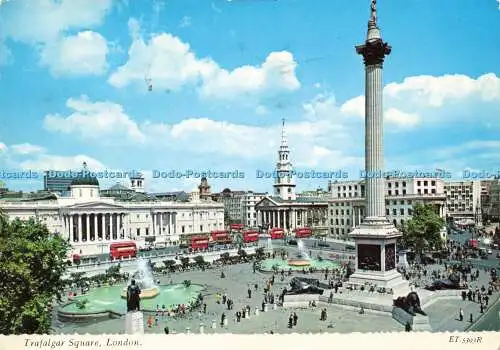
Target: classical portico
x,y
273,212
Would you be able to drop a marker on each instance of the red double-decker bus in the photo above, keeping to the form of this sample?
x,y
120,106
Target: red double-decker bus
x,y
277,233
199,242
121,250
303,232
250,236
221,237
236,227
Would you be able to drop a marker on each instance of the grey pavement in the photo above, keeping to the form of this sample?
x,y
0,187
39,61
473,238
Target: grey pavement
x,y
239,278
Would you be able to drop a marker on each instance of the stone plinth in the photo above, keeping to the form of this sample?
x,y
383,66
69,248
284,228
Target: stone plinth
x,y
134,323
379,237
419,323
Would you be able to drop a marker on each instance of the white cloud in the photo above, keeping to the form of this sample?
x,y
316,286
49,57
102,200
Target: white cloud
x,y
27,148
81,54
355,107
395,116
44,24
3,147
172,64
261,110
94,120
56,162
435,91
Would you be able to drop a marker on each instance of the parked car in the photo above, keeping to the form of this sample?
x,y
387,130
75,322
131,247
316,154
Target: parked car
x,y
292,242
350,247
323,244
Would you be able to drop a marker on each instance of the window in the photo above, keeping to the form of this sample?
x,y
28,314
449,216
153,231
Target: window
x,y
410,211
183,229
138,232
342,212
394,212
387,212
336,221
396,184
397,193
433,183
347,211
426,191
289,190
337,212
401,211
418,183
147,231
389,185
201,228
342,221
425,183
404,183
433,191
390,193
331,221
404,192
331,211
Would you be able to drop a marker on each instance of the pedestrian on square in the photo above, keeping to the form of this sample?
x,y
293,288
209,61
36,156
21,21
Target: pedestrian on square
x,y
461,315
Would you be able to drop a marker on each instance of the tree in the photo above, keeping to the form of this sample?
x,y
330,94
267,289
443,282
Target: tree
x,y
169,264
242,253
260,254
78,278
32,264
225,257
423,230
199,260
185,261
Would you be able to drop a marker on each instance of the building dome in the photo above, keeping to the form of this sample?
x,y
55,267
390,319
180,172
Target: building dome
x,y
84,178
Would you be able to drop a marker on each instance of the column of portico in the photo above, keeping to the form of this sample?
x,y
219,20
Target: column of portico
x,y
87,228
169,222
80,231
103,226
71,228
175,222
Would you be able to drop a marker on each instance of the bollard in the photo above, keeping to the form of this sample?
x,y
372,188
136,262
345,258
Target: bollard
x,y
275,306
265,308
256,311
214,324
188,330
202,328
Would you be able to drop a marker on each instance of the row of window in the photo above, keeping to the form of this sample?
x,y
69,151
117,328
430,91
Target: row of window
x,y
387,212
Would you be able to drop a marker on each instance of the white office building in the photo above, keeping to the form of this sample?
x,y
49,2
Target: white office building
x,y
346,208
463,200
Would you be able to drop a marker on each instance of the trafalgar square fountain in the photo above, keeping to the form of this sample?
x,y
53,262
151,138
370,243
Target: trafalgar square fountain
x,y
300,261
110,300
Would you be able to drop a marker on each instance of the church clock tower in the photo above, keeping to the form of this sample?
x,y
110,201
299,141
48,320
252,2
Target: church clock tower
x,y
284,186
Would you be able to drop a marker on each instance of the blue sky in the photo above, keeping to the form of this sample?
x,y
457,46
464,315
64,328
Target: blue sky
x,y
73,77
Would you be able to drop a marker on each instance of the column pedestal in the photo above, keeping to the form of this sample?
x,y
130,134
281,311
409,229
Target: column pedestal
x,y
134,323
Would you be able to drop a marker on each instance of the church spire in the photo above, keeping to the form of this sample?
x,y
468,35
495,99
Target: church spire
x,y
284,140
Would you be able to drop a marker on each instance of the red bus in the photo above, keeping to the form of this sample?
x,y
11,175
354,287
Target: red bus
x,y
250,236
199,242
236,227
221,237
122,250
303,232
277,233
473,243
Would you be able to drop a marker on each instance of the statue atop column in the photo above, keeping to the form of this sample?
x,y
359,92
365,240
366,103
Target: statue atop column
x,y
373,16
133,297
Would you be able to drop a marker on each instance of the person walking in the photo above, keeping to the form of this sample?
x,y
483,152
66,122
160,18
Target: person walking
x,y
461,314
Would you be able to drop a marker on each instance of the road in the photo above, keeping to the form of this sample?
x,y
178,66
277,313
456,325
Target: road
x,y
490,321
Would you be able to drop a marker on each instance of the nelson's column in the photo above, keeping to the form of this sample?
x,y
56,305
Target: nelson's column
x,y
376,237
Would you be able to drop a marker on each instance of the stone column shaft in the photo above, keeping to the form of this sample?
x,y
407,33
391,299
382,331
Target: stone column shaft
x,y
374,161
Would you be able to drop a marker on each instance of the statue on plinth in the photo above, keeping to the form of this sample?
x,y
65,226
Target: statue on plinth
x,y
373,17
133,297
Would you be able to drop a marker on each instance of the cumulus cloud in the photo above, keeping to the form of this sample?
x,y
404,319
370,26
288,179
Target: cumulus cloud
x,y
172,64
93,120
83,53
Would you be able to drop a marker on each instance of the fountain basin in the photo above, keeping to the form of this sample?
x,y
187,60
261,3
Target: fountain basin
x,y
107,301
320,265
299,262
147,293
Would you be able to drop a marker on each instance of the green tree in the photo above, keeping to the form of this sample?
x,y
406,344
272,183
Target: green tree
x,y
185,261
169,264
32,264
423,230
243,254
225,257
199,260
